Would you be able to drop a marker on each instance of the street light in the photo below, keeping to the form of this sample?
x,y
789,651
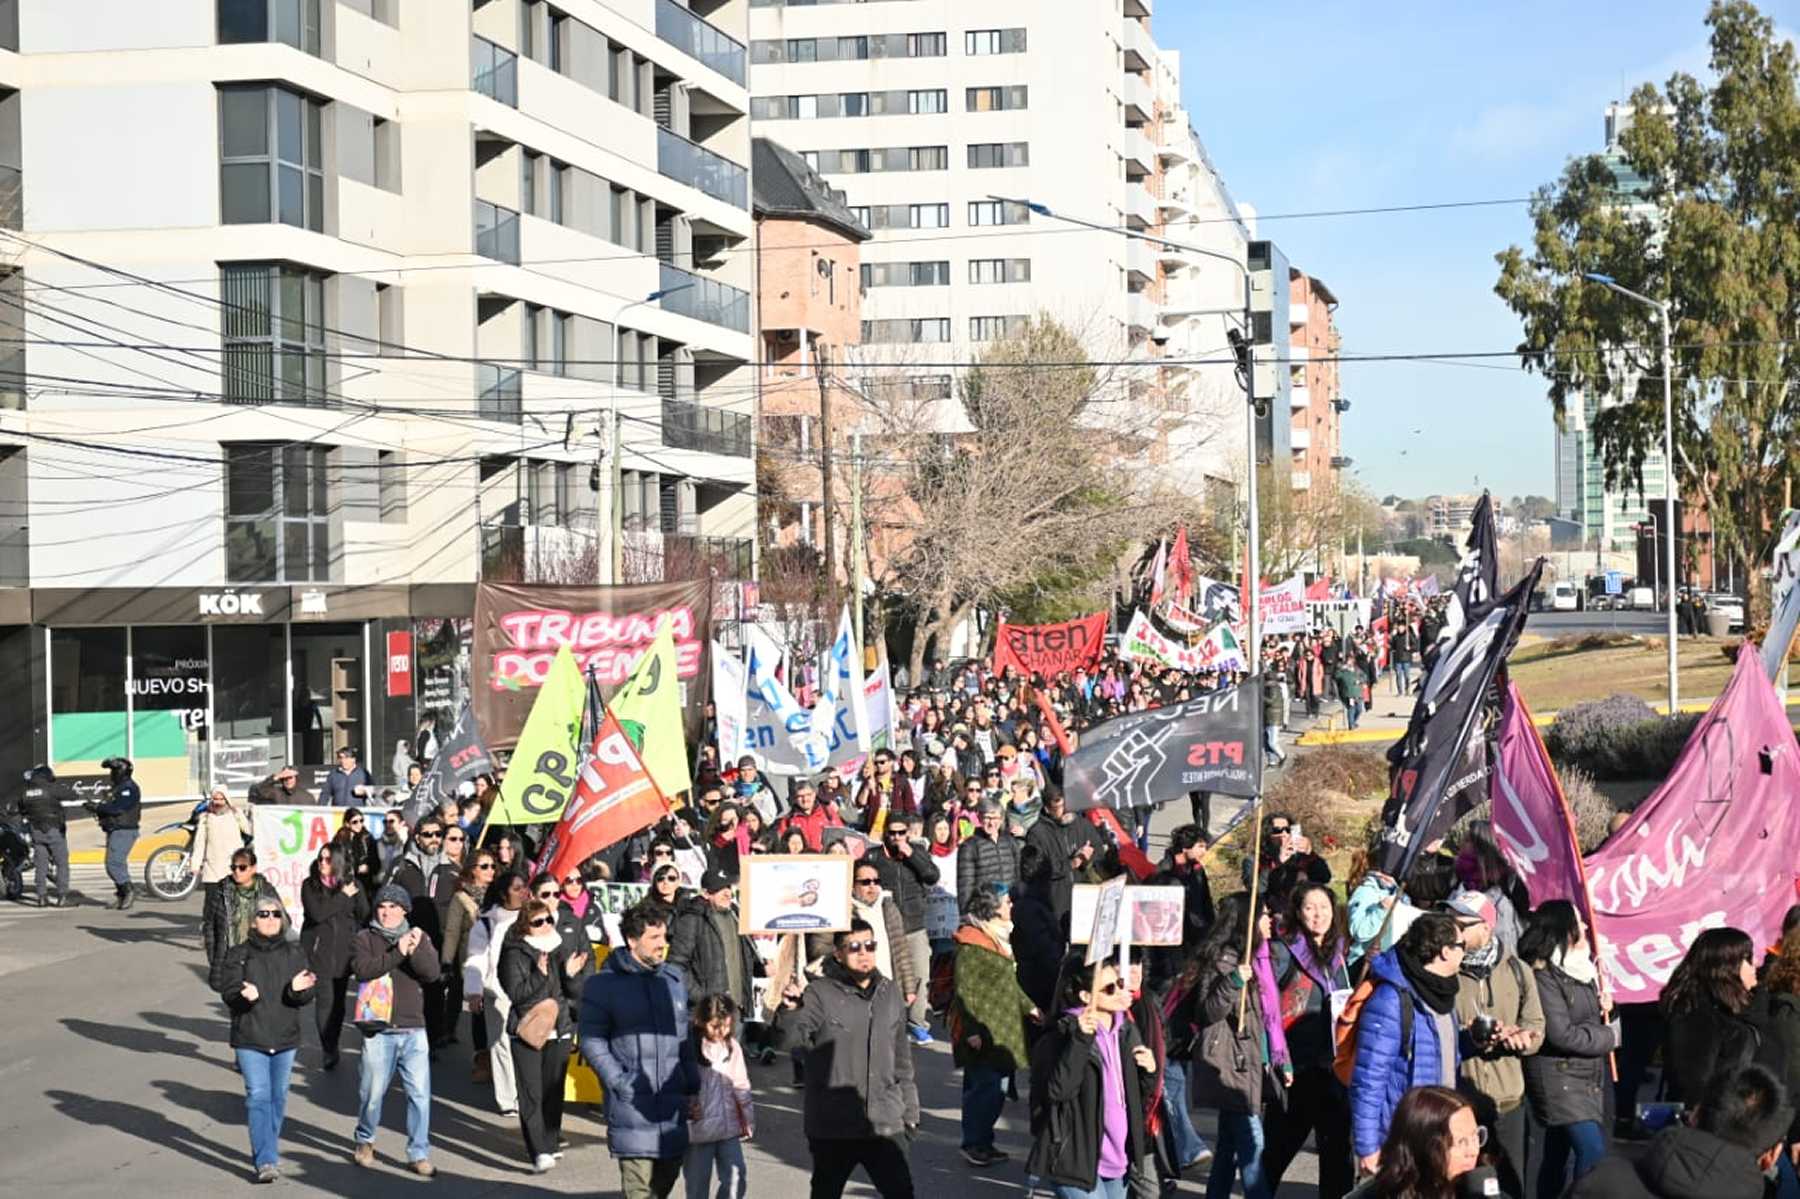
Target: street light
x,y
1668,358
1253,568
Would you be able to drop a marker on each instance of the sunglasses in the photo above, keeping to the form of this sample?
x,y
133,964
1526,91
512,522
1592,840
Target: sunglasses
x,y
868,882
431,836
356,824
859,947
541,921
241,867
455,837
1112,988
550,894
268,914
669,877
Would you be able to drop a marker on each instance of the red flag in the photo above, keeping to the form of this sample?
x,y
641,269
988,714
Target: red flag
x,y
1181,566
613,799
1056,728
1130,856
1320,589
1157,571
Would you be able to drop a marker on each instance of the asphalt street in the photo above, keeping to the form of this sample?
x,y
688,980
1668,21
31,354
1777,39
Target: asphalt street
x,y
118,1080
1558,624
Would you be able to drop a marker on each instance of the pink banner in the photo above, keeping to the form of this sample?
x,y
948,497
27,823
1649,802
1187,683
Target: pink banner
x,y
1718,844
1531,821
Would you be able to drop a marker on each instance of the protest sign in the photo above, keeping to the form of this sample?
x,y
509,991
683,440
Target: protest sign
x,y
1048,649
1210,743
1103,929
1142,642
1155,913
730,697
785,893
287,837
1283,608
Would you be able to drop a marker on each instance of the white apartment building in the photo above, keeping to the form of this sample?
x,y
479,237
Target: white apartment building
x,y
320,310
925,111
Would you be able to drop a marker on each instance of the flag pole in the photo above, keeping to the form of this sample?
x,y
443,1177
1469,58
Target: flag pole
x,y
1250,927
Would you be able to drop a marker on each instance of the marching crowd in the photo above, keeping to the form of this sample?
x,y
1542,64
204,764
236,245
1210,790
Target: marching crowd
x,y
1425,1034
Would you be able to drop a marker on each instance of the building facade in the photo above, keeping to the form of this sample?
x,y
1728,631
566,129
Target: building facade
x,y
1317,397
343,306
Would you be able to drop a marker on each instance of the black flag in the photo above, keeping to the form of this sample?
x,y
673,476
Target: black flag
x,y
461,756
1210,743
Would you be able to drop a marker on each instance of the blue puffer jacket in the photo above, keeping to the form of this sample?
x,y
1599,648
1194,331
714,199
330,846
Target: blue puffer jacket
x,y
1383,1073
634,1033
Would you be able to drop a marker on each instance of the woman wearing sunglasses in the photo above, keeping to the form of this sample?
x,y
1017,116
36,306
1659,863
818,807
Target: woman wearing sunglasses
x,y
536,968
335,908
460,915
481,983
265,981
358,856
230,910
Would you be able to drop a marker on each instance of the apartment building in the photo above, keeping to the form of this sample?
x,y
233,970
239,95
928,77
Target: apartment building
x,y
1316,397
319,311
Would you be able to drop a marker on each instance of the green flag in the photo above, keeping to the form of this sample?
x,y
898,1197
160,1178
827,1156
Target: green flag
x,y
650,700
541,775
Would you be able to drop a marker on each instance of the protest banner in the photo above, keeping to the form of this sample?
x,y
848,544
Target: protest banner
x,y
1183,619
785,893
649,709
1210,743
1216,600
614,797
1048,649
777,728
1784,601
520,626
287,837
1142,642
542,770
1283,608
841,695
460,758
1155,913
1343,616
1222,650
730,697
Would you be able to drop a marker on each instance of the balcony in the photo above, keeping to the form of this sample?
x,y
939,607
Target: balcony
x,y
708,430
496,72
1174,146
700,39
686,556
1139,155
1140,49
681,160
1140,105
502,397
1300,440
496,232
1173,256
687,294
538,554
1140,260
1140,312
1176,205
1299,397
1140,206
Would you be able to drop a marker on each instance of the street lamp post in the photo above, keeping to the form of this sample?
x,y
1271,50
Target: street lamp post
x,y
1253,568
1668,359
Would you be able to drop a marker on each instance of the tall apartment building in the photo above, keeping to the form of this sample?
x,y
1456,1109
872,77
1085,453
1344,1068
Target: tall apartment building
x,y
937,119
321,310
1317,396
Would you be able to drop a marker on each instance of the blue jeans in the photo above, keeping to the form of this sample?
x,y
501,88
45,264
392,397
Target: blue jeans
x,y
727,1157
265,1100
1584,1139
983,1097
1186,1140
118,856
1402,677
1353,711
406,1050
1106,1188
1272,741
1240,1148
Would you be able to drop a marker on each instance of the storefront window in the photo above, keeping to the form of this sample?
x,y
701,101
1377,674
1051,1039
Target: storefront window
x,y
87,698
168,709
249,704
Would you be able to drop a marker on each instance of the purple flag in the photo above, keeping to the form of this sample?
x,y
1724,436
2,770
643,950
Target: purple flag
x,y
1531,816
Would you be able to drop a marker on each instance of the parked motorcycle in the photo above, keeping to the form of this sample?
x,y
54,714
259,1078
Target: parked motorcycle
x,y
15,855
169,870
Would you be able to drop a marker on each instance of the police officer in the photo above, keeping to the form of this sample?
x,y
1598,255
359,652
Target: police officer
x,y
119,821
41,805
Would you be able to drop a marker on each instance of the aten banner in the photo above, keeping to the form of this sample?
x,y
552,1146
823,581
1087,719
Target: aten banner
x,y
520,626
1049,649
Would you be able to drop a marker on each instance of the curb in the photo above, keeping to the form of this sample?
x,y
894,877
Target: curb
x,y
1540,719
140,852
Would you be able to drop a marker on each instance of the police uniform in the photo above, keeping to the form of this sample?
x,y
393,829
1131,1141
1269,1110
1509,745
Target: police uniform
x,y
41,806
119,821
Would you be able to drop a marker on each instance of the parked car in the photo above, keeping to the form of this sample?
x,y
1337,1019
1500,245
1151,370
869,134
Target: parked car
x,y
1642,599
1599,601
1562,597
1724,601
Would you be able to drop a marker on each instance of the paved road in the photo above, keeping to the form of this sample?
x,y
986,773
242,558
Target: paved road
x,y
117,1080
1557,624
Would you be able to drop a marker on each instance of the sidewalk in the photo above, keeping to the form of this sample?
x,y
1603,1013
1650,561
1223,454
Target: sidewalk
x,y
87,844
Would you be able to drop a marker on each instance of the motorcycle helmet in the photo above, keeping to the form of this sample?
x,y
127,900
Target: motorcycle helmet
x,y
40,773
118,767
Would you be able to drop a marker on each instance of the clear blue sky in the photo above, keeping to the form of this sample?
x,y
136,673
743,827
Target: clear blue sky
x,y
1325,105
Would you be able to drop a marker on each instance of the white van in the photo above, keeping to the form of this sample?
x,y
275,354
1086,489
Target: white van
x,y
1562,597
1643,599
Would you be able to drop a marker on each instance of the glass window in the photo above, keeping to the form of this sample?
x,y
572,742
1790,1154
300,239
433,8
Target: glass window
x,y
274,334
856,104
528,168
292,22
931,100
168,706
926,45
928,158
277,514
804,108
930,216
87,698
271,158
250,705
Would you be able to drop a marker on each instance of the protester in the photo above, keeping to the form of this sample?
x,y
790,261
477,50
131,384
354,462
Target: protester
x,y
230,911
266,981
1068,844
861,1107
1158,1170
1563,1079
809,817
1287,861
1090,1074
1039,939
987,1020
391,949
219,831
575,943
460,916
989,855
1480,866
754,790
1406,1034
347,782
634,1022
908,872
705,944
282,787
1183,865
334,909
357,853
1703,1007
537,975
1433,1141
485,996
1310,967
1242,1043
1775,1012
724,1115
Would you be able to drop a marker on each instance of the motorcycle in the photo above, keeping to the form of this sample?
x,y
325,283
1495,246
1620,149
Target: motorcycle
x,y
15,855
169,870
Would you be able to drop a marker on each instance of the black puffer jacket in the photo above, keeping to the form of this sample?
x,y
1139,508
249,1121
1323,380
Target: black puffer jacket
x,y
218,923
526,986
1563,1078
1776,1017
980,861
270,1022
1698,1042
859,1071
697,947
1066,1110
1679,1163
331,921
909,880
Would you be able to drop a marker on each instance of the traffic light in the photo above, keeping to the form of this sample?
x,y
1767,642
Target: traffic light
x,y
1271,387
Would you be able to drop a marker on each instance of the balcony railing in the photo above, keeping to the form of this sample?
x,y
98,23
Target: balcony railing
x,y
696,166
688,294
538,554
688,426
701,40
496,72
12,198
686,557
496,232
502,398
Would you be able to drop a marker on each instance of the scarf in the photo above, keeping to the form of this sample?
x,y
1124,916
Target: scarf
x,y
1000,930
1325,974
1480,964
394,934
544,942
426,862
1269,1000
1578,963
243,908
1436,991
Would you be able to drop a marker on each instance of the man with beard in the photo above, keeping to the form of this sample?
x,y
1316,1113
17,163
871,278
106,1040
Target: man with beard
x,y
424,873
861,1106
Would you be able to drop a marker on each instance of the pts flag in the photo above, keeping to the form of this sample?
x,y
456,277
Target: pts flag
x,y
1212,743
614,798
1049,649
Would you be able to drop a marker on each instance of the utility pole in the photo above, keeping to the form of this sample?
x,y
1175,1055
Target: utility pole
x,y
615,518
856,540
826,501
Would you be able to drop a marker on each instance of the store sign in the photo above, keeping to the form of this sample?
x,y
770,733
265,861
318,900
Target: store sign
x,y
399,664
312,603
232,603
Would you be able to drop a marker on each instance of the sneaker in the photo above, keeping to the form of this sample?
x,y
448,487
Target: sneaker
x,y
543,1162
920,1034
996,1156
423,1167
267,1173
976,1156
1200,1159
365,1154
767,1056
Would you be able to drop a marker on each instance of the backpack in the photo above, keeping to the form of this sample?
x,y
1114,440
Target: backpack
x,y
943,982
1343,1061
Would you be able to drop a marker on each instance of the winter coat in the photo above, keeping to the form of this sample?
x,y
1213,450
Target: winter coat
x,y
271,1022
218,924
1679,1163
1509,993
1067,1112
1311,1037
1227,1071
408,875
481,961
1776,1018
356,856
1058,843
812,825
1563,1079
339,787
696,946
859,1067
331,921
217,835
1384,1071
981,860
1038,942
891,957
371,956
459,922
634,1033
574,941
987,1003
727,1111
1697,1043
1162,964
526,986
909,880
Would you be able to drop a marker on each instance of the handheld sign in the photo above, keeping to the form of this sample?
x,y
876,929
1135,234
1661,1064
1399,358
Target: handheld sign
x,y
1105,934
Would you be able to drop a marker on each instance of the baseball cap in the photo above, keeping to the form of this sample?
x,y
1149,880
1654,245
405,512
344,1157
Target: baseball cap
x,y
715,880
1473,905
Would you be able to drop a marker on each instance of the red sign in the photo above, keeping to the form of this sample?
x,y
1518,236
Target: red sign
x,y
613,799
1049,649
399,664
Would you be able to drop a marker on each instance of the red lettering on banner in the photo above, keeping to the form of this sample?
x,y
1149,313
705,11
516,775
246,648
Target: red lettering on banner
x,y
611,666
